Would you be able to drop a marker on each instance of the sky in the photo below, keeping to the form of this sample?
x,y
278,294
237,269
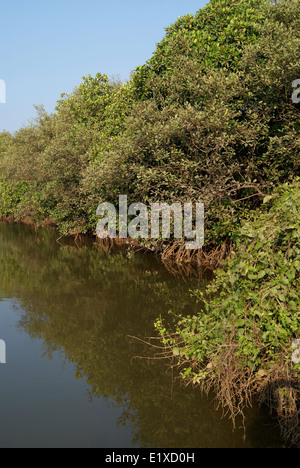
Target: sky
x,y
47,46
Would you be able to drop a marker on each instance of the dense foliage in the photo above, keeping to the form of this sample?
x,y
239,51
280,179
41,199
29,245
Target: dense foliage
x,y
50,156
209,118
241,342
258,304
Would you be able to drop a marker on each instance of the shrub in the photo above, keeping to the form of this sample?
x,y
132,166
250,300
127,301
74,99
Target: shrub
x,y
240,343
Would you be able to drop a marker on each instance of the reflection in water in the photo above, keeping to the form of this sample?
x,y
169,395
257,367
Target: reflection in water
x,y
85,303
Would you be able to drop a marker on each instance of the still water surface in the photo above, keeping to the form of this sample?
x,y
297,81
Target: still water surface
x,y
73,377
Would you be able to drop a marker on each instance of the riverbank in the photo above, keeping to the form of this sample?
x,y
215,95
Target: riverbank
x,y
172,253
46,223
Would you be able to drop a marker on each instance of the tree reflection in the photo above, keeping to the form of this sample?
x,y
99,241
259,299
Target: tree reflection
x,y
85,303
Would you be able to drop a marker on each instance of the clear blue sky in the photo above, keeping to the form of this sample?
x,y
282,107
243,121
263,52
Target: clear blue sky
x,y
47,46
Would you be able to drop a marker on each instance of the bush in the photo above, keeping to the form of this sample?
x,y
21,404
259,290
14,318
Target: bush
x,y
224,135
208,119
240,343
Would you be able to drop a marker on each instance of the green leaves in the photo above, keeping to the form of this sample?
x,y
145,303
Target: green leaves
x,y
208,118
261,274
252,311
214,38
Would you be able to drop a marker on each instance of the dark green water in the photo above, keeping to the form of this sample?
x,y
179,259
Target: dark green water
x,y
72,377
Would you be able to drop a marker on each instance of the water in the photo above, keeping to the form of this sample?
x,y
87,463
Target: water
x,y
74,377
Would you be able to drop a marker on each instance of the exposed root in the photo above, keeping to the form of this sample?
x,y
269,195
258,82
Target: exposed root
x,y
235,387
175,257
210,257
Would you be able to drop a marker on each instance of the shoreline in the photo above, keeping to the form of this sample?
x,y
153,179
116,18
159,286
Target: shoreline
x,y
175,257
